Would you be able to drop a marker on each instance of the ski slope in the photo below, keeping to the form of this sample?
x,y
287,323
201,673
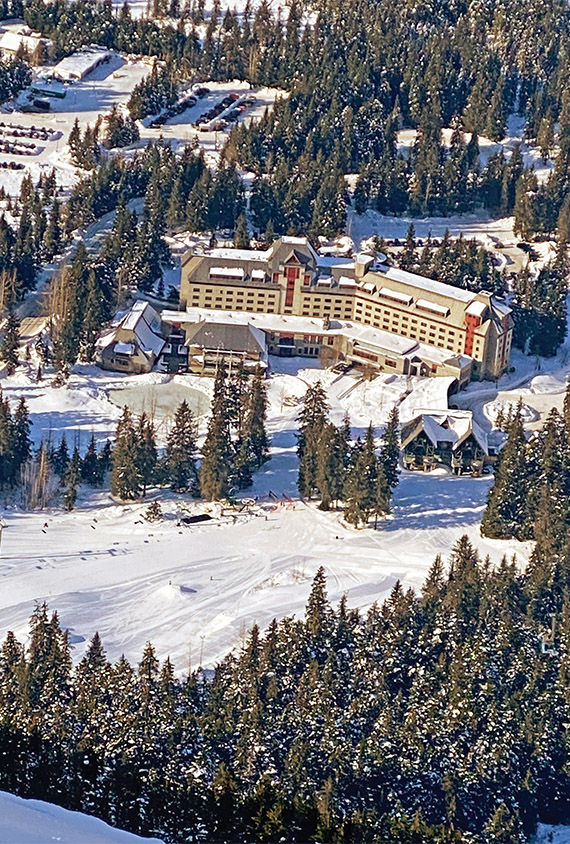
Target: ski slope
x,y
36,822
194,591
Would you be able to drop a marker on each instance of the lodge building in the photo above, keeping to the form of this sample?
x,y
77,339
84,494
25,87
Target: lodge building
x,y
290,278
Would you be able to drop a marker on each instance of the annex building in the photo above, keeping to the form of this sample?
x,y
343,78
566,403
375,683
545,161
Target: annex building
x,y
412,325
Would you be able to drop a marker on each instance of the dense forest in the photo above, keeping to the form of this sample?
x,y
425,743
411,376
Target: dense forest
x,y
353,80
440,716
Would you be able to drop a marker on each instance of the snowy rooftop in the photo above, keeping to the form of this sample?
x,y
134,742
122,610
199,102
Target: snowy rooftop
x,y
426,284
78,64
12,41
239,254
388,293
227,272
433,306
452,426
138,310
477,308
309,325
329,261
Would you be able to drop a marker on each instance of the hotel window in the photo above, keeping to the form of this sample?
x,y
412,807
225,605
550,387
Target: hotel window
x,y
390,362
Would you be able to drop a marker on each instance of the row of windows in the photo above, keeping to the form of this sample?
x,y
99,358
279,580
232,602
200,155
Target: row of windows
x,y
384,318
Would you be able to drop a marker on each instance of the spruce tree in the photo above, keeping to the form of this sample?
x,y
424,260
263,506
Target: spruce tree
x,y
255,420
125,475
504,515
10,343
71,479
146,451
90,465
390,450
180,457
216,468
21,443
312,420
241,234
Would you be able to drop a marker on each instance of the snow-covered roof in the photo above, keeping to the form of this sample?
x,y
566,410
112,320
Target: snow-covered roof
x,y
451,426
258,274
476,308
376,338
329,261
239,254
80,63
388,293
296,241
434,307
227,272
426,284
124,348
345,281
147,339
138,310
143,322
11,41
106,339
363,334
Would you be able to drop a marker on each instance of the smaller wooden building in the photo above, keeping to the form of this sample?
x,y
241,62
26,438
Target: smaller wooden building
x,y
445,437
134,343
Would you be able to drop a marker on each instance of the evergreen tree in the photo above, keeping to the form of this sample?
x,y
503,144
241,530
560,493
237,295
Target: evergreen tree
x,y
241,234
181,450
255,421
90,465
216,468
312,420
125,475
10,343
146,451
506,504
71,479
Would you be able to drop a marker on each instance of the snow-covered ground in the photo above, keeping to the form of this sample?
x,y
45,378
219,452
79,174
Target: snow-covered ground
x,y
194,591
496,234
489,231
180,130
552,834
109,84
514,135
36,822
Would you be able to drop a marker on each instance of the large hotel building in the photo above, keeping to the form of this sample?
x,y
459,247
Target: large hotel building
x,y
373,314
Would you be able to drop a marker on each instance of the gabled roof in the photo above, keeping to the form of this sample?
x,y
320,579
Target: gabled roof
x,y
226,337
142,325
446,426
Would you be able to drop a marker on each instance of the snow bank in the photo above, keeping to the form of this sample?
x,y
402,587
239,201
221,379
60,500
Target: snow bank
x,y
35,822
547,834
